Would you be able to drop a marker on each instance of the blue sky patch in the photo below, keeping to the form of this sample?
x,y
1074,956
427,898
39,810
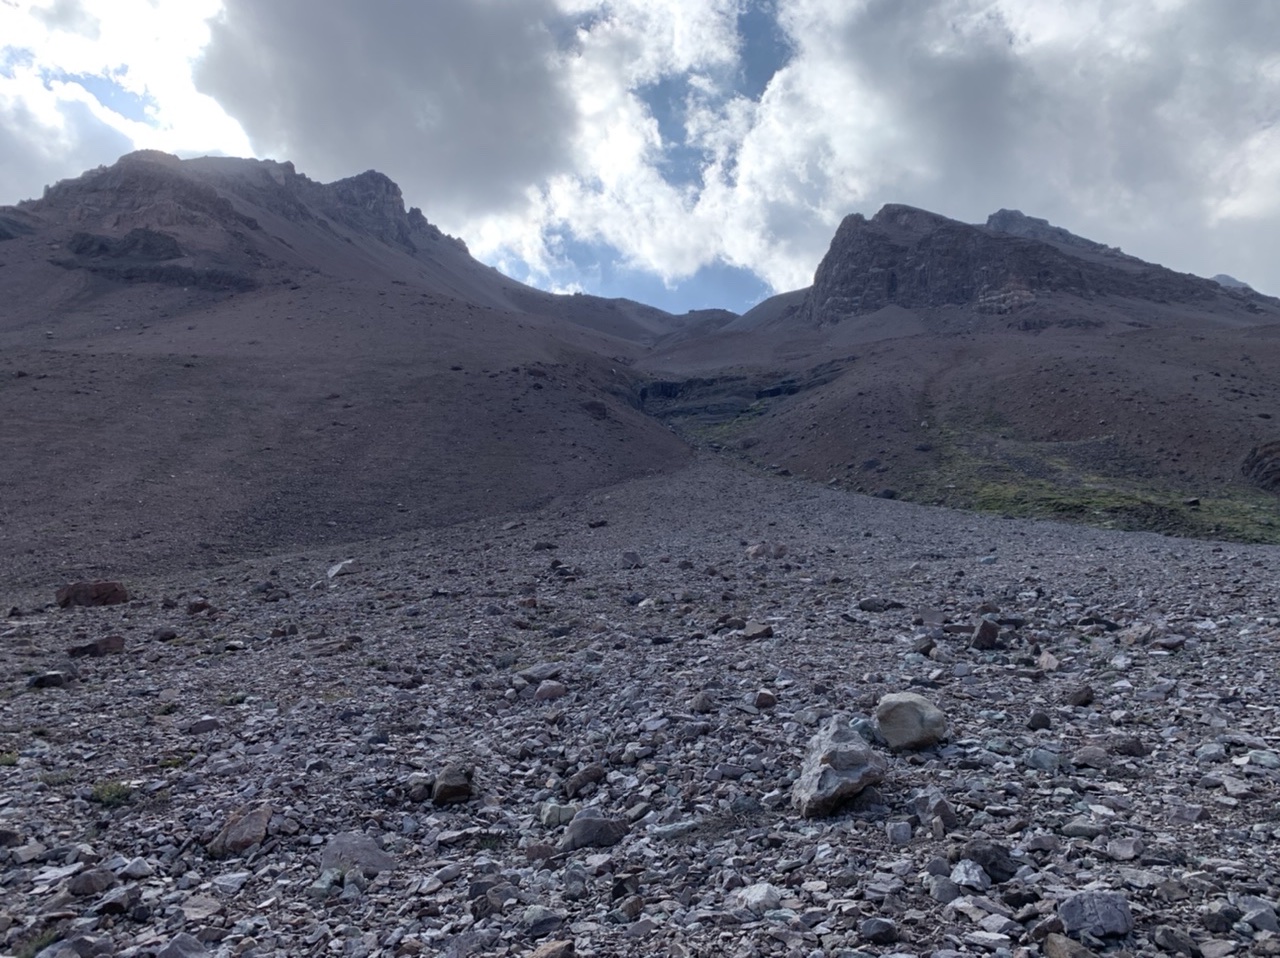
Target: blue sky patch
x,y
765,48
110,94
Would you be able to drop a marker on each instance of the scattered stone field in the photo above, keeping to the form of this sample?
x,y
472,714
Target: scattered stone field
x,y
704,714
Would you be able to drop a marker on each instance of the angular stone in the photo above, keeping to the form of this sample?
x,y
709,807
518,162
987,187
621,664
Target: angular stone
x,y
245,828
910,721
355,850
985,636
995,859
92,882
757,898
554,949
538,921
1060,946
969,874
453,785
1175,941
549,689
878,931
757,630
838,766
183,946
100,592
49,680
764,699
110,645
1080,696
585,776
1103,914
590,829
137,869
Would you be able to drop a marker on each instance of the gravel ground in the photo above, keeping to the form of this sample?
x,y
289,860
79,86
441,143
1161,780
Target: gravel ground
x,y
579,731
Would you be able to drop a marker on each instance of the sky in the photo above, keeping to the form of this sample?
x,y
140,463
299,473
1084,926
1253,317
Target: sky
x,y
688,153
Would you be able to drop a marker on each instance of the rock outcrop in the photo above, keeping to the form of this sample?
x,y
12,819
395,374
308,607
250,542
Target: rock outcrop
x,y
1262,465
916,259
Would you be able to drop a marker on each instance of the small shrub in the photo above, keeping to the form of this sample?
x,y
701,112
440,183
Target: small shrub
x,y
111,793
235,698
8,759
59,776
33,946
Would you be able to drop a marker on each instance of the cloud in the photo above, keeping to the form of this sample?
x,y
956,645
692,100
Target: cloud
x,y
68,68
462,103
693,139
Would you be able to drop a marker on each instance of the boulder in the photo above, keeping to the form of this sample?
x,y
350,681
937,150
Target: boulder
x,y
354,850
101,592
837,767
909,721
453,785
109,645
243,830
590,829
1102,914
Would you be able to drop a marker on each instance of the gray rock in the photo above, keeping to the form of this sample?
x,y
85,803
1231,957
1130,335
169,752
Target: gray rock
x,y
453,785
878,931
985,636
909,721
969,874
898,833
355,850
590,829
549,689
1103,914
538,921
137,869
183,946
1060,946
838,766
92,882
1259,913
1176,941
575,783
1219,916
757,899
243,830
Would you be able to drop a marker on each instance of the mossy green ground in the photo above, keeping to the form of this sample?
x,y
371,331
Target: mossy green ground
x,y
980,469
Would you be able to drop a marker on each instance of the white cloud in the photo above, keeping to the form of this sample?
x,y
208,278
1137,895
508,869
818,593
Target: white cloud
x,y
529,127
55,127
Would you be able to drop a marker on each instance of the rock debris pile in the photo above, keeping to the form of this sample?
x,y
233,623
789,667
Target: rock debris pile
x,y
615,727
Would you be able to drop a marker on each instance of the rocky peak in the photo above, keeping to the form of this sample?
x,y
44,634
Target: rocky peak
x,y
154,190
917,259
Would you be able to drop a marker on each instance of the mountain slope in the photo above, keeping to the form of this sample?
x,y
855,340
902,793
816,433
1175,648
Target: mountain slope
x,y
204,358
1028,371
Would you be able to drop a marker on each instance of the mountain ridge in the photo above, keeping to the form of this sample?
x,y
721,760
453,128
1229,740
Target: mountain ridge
x,y
221,355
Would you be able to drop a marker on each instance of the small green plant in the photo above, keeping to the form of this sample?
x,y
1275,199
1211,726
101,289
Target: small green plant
x,y
111,793
33,946
8,759
172,761
235,698
59,776
488,840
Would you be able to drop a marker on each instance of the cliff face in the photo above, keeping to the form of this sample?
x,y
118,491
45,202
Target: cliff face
x,y
915,259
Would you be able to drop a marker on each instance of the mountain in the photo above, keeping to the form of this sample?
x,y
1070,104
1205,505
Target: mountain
x,y
204,358
1009,366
